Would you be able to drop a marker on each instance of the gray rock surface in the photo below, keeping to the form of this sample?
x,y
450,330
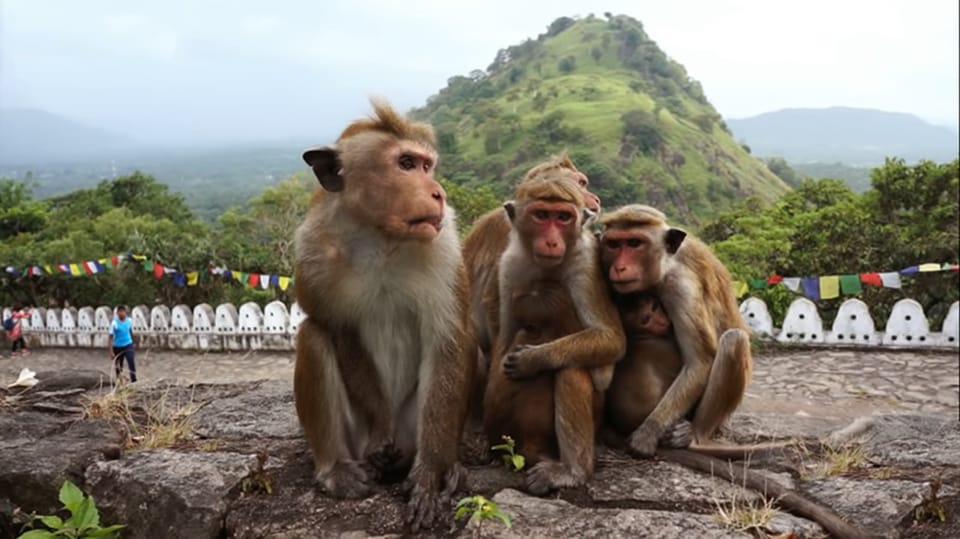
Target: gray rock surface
x,y
166,493
193,489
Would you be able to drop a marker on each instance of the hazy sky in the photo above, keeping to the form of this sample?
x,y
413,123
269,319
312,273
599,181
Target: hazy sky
x,y
253,69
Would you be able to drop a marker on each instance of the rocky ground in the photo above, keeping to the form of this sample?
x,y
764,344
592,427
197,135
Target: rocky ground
x,y
875,431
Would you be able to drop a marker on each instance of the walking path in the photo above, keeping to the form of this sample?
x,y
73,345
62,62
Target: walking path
x,y
815,382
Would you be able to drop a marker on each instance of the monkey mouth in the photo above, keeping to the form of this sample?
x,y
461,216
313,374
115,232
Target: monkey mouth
x,y
435,221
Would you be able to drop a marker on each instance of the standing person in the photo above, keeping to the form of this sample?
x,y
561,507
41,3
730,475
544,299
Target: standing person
x,y
15,330
121,343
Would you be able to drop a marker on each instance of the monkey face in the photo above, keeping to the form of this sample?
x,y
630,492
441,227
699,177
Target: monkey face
x,y
632,259
385,183
549,230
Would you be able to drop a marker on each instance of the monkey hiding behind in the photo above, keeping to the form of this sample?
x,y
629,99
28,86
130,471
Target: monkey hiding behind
x,y
386,354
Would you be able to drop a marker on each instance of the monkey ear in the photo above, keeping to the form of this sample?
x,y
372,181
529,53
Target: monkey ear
x,y
511,209
673,239
325,162
588,216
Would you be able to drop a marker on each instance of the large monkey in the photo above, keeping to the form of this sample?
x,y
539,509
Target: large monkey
x,y
386,354
558,338
482,249
641,253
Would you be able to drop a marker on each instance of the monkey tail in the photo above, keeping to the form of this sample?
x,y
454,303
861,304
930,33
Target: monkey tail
x,y
789,499
740,452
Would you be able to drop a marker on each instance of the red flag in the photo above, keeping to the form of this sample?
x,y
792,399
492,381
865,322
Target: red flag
x,y
774,279
871,279
254,279
116,260
955,267
157,270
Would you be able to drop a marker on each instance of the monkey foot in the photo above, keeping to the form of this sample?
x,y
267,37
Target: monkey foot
x,y
548,475
429,504
678,436
346,479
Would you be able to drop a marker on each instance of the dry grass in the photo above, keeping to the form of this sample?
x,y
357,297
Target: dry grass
x,y
832,459
739,515
160,423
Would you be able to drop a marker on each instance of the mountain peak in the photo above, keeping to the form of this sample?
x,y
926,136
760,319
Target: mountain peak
x,y
634,121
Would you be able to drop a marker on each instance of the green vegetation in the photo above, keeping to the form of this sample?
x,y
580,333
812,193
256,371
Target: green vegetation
x,y
513,460
633,119
84,521
480,510
908,217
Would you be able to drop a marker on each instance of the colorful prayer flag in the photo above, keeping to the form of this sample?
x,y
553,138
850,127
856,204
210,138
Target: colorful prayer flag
x,y
792,283
264,281
253,279
929,267
192,278
811,287
739,288
910,271
871,279
829,287
157,270
890,279
774,280
850,284
758,284
283,282
75,269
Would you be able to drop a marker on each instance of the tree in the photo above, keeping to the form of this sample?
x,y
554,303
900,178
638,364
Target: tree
x,y
19,213
559,25
596,53
640,127
567,64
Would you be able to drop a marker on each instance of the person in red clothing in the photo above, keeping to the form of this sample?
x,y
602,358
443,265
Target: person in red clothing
x,y
15,331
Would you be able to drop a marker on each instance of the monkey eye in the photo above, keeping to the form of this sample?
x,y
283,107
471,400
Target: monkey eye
x,y
612,244
407,162
564,216
633,243
541,215
427,165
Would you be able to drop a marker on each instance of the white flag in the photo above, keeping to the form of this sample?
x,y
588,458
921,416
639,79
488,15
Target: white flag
x,y
792,283
890,279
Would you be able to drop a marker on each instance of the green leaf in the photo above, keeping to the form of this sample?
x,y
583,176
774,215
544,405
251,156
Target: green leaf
x,y
86,515
461,512
502,516
37,534
109,531
501,447
70,496
518,462
52,521
467,500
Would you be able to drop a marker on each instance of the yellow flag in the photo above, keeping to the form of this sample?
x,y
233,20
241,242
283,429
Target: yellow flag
x,y
192,278
48,269
930,267
830,287
75,269
139,257
739,288
284,282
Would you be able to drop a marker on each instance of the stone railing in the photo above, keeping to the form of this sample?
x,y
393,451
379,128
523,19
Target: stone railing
x,y
274,326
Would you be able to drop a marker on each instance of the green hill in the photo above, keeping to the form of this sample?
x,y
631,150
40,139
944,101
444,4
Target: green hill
x,y
632,118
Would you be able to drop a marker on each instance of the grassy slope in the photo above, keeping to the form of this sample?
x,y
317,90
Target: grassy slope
x,y
683,191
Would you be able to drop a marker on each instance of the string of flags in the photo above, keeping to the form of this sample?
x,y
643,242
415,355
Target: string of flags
x,y
831,286
178,277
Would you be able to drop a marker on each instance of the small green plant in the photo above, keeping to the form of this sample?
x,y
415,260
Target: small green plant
x,y
84,521
931,509
512,459
480,509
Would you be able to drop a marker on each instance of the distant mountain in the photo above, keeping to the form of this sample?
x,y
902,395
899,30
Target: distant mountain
x,y
842,134
29,135
633,119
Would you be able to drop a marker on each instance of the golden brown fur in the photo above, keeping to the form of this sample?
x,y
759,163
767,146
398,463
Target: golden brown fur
x,y
557,338
482,249
641,253
386,355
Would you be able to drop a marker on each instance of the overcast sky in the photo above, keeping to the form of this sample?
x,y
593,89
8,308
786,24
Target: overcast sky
x,y
301,68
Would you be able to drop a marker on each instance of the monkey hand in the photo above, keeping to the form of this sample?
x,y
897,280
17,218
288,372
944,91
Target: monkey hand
x,y
428,503
643,442
678,436
522,362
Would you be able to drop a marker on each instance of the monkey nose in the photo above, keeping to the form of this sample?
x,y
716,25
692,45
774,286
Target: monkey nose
x,y
436,195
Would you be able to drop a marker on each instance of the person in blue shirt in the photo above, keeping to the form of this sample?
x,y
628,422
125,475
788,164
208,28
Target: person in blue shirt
x,y
121,343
